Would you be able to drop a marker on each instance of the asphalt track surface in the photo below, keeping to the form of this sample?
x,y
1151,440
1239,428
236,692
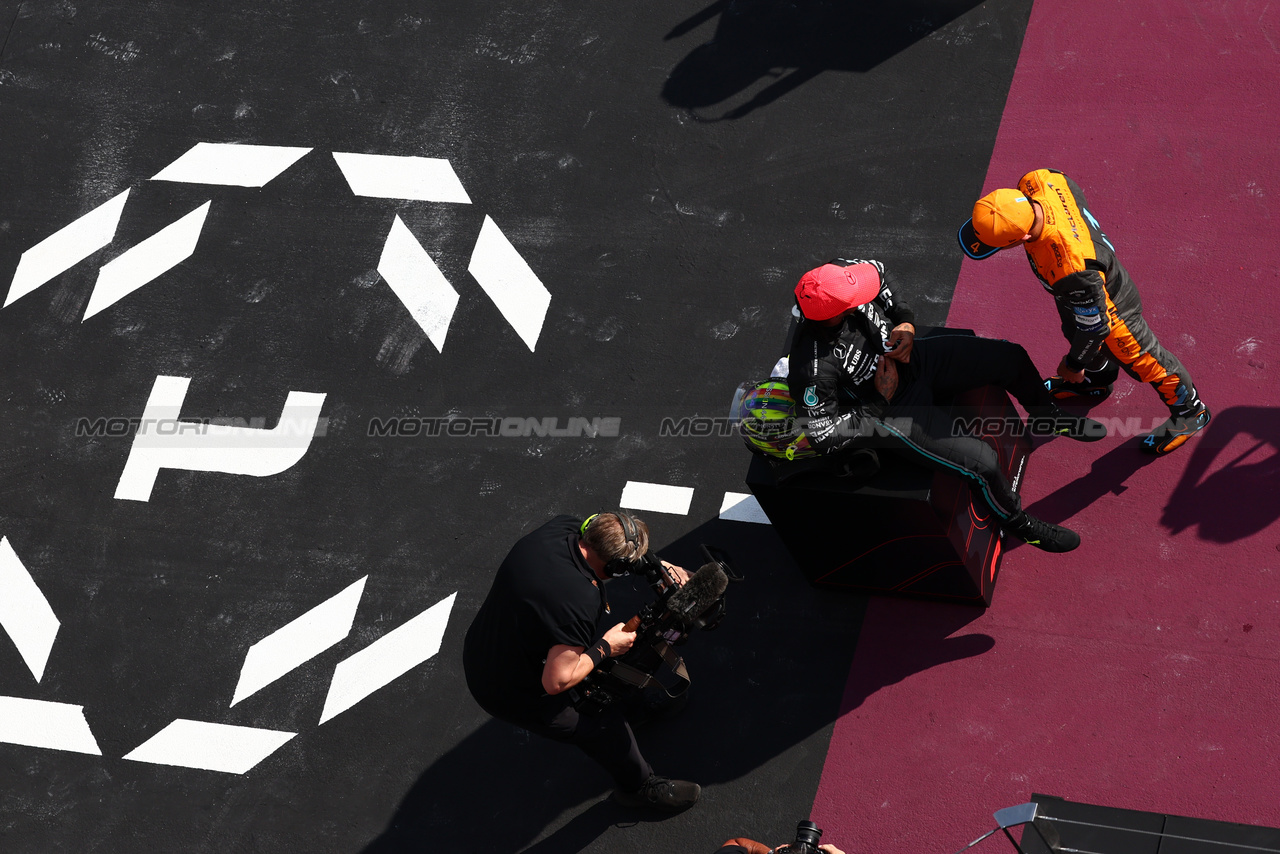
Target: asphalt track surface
x,y
648,181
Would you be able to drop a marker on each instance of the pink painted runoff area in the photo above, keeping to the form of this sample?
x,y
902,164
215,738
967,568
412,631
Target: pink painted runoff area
x,y
1141,671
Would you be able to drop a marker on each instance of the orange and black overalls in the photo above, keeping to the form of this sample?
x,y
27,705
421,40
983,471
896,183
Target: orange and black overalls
x,y
1098,304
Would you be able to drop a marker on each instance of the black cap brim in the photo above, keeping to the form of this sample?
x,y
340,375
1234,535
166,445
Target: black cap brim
x,y
972,245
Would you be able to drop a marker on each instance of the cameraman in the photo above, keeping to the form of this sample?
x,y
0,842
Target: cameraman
x,y
537,635
750,846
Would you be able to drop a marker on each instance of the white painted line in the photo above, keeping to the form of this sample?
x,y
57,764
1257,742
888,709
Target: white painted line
x,y
418,283
510,283
230,164
299,641
740,507
389,657
638,495
159,253
24,612
387,176
36,723
66,247
163,441
211,747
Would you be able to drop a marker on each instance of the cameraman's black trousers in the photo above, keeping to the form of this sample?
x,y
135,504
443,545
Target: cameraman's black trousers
x,y
606,737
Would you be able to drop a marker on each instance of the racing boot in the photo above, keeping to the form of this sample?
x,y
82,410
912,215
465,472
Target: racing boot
x,y
1180,427
1052,421
1041,534
1090,392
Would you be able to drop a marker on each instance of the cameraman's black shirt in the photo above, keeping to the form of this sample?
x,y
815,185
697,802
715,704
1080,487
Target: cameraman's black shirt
x,y
544,594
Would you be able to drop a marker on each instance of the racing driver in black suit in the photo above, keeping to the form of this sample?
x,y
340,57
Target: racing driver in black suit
x,y
861,378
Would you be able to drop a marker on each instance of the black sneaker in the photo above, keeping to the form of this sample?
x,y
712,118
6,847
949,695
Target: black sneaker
x,y
1063,390
660,793
1054,422
1173,433
1041,534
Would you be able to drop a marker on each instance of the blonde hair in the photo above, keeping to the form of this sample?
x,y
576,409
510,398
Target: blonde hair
x,y
603,533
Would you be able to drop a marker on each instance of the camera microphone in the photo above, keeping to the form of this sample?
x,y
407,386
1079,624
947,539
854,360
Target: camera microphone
x,y
699,593
692,600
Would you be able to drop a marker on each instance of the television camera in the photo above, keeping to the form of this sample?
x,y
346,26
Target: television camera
x,y
652,672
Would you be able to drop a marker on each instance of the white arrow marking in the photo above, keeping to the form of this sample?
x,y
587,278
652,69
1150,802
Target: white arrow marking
x,y
418,282
66,247
212,747
36,723
24,612
230,164
299,641
389,657
159,253
387,176
162,441
514,288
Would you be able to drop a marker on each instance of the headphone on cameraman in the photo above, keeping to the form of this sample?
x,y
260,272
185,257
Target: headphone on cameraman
x,y
619,566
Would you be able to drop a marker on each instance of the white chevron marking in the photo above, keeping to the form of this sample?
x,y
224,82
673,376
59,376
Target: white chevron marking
x,y
24,612
299,641
230,164
66,247
36,723
387,176
159,253
418,282
389,657
212,747
510,283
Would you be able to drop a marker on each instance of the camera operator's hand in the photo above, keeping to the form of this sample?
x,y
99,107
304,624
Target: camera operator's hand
x,y
567,665
620,640
677,574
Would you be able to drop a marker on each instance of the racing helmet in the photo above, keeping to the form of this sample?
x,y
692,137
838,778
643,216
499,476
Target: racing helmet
x,y
766,415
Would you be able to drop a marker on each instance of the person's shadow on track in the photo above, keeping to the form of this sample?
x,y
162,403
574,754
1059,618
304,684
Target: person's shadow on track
x,y
1237,499
910,636
788,44
1227,496
495,791
1107,476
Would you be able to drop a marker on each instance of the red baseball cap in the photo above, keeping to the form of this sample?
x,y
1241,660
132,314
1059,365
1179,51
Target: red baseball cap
x,y
829,290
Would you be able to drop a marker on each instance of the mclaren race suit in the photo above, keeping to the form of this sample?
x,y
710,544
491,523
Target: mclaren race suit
x,y
832,377
1098,304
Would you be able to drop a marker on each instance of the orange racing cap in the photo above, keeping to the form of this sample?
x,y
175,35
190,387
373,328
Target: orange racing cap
x,y
1001,219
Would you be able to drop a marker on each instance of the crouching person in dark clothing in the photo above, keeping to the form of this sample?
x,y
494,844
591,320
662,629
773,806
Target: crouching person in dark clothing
x,y
537,636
